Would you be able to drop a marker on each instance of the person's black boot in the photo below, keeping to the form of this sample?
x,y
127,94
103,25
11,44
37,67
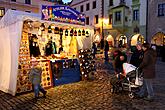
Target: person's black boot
x,y
44,94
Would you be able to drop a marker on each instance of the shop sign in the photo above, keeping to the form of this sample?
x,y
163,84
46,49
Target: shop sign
x,y
61,13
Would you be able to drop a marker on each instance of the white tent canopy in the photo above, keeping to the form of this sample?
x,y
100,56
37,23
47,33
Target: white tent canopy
x,y
10,36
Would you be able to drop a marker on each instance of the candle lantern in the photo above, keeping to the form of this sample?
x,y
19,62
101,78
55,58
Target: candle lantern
x,y
79,33
71,32
87,34
75,33
61,31
83,32
56,30
49,29
42,27
66,32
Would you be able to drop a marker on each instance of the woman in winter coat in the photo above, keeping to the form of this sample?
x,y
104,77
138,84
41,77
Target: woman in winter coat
x,y
148,68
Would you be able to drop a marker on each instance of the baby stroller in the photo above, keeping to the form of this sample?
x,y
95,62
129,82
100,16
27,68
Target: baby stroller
x,y
130,80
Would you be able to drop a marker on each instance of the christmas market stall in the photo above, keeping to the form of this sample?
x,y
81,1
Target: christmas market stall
x,y
54,39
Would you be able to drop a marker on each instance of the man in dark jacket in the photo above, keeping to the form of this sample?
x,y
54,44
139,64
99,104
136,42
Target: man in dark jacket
x,y
148,68
106,49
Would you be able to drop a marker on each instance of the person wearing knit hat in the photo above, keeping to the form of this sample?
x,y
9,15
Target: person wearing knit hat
x,y
137,56
35,78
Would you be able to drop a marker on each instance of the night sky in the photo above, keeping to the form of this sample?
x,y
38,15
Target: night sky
x,y
65,1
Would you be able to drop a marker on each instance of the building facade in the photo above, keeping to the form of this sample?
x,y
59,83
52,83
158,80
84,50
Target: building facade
x,y
129,20
22,5
122,22
156,22
97,15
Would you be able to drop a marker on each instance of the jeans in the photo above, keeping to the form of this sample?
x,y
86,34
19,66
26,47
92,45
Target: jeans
x,y
146,87
38,88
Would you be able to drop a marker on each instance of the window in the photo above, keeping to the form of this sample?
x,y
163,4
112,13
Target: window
x,y
161,9
27,1
110,2
2,12
94,4
13,0
81,8
110,19
136,15
122,1
87,6
118,16
96,19
87,20
28,11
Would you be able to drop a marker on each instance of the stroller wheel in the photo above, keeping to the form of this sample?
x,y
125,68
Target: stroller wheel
x,y
131,95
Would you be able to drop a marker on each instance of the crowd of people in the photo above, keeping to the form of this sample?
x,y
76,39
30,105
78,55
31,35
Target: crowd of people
x,y
143,57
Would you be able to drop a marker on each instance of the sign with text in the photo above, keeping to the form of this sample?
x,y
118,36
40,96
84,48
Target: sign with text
x,y
61,13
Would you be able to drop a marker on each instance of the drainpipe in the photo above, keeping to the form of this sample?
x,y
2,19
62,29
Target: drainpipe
x,y
147,22
102,19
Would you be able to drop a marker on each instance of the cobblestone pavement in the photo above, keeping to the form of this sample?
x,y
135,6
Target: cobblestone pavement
x,y
88,95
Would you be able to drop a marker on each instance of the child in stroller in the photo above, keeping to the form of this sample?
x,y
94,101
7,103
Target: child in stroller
x,y
129,80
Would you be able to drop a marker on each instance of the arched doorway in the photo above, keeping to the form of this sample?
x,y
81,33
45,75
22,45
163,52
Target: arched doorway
x,y
122,41
110,40
97,39
137,38
158,39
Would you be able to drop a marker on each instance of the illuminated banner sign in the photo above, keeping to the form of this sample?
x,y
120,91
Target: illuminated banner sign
x,y
61,13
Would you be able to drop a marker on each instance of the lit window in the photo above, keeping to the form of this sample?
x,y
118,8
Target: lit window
x,y
2,12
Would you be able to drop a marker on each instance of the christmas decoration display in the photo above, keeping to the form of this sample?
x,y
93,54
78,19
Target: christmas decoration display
x,y
47,80
23,83
87,64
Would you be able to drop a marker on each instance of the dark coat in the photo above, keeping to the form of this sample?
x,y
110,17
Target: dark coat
x,y
118,64
137,58
106,47
148,64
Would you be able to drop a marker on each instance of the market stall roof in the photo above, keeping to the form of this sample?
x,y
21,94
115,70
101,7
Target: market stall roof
x,y
13,16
